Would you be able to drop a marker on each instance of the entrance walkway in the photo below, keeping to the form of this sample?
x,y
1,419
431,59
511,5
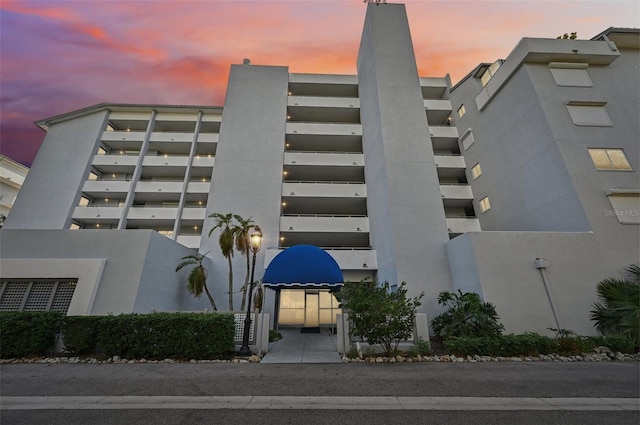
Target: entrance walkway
x,y
297,347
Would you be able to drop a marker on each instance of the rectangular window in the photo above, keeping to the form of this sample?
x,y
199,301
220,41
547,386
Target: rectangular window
x,y
570,74
626,207
485,205
589,114
476,171
461,111
467,140
609,159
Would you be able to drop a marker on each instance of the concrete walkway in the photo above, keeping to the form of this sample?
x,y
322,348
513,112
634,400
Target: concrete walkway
x,y
297,347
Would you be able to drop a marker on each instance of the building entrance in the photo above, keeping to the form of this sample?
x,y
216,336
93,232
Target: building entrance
x,y
307,308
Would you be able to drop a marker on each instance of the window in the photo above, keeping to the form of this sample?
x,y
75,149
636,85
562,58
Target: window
x,y
461,111
467,139
93,176
476,171
102,151
589,114
609,159
626,207
570,74
485,205
489,72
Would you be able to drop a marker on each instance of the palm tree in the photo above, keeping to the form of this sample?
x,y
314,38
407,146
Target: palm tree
x,y
243,244
197,279
619,311
224,222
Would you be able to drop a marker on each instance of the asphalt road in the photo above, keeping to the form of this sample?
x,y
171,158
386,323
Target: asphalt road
x,y
504,380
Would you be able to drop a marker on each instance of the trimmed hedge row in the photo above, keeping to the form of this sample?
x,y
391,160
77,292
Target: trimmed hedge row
x,y
150,336
532,344
24,334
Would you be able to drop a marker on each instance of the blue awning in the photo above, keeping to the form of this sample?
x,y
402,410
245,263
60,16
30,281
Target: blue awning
x,y
303,266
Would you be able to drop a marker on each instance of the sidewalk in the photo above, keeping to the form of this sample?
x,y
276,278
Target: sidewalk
x,y
297,347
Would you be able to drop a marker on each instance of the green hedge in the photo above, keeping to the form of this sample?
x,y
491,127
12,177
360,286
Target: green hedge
x,y
532,344
26,334
151,336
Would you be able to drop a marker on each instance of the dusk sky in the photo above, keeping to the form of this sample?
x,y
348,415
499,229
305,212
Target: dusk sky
x,y
58,56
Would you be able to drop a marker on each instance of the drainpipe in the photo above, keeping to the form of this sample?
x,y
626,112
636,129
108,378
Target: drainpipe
x,y
542,264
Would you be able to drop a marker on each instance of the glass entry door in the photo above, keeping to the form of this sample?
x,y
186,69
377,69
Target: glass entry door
x,y
312,311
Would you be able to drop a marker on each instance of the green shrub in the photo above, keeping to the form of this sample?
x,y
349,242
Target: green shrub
x,y
528,344
614,342
81,334
274,335
466,316
378,314
420,347
24,334
167,335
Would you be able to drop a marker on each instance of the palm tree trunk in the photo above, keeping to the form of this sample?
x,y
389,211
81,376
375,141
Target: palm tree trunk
x,y
230,283
213,303
246,284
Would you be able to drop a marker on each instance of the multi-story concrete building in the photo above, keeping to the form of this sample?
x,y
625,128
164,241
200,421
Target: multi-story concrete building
x,y
519,183
12,176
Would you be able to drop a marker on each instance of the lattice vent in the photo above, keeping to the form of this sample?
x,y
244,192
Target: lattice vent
x,y
239,326
13,295
39,296
62,298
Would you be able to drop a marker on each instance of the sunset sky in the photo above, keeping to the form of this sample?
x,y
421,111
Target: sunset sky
x,y
58,56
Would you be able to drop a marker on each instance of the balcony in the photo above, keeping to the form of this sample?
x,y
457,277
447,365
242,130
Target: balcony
x,y
324,223
198,187
97,213
152,213
456,191
347,259
159,186
324,158
208,137
168,161
444,137
325,189
100,188
194,213
450,161
203,161
123,136
190,241
323,129
438,111
118,164
433,87
171,137
458,225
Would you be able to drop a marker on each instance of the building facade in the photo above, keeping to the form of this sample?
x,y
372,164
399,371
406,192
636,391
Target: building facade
x,y
511,184
12,175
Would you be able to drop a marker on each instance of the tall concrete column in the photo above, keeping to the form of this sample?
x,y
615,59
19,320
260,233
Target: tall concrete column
x,y
247,176
406,216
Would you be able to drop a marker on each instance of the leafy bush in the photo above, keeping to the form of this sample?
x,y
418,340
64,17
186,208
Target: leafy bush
x,y
379,315
528,344
466,316
420,347
618,312
80,334
152,336
24,334
614,342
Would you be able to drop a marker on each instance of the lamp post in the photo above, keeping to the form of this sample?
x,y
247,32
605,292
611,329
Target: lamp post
x,y
256,241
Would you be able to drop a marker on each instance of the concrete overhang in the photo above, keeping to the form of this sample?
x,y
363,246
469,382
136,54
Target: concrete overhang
x,y
122,107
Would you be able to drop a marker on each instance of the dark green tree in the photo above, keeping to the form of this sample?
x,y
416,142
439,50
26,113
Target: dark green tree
x,y
243,245
226,240
618,311
466,316
197,279
379,315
